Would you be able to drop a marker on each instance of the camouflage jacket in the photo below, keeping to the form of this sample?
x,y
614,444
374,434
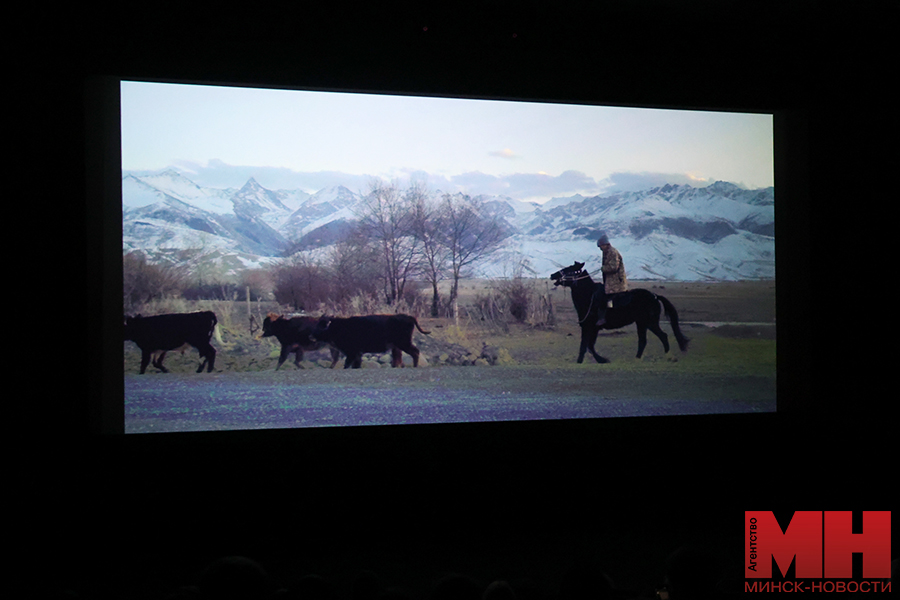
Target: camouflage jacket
x,y
614,280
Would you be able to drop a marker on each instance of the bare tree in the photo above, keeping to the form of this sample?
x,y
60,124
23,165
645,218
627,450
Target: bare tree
x,y
385,218
353,267
434,255
300,282
144,281
257,281
470,234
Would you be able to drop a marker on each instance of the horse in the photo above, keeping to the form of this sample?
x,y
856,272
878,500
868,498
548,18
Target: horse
x,y
639,306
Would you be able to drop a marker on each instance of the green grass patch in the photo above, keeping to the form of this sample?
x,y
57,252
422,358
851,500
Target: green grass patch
x,y
707,353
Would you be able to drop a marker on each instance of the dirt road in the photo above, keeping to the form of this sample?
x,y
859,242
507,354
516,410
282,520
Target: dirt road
x,y
322,398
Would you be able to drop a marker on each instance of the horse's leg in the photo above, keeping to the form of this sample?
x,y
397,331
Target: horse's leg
x,y
642,338
582,348
592,339
655,328
598,358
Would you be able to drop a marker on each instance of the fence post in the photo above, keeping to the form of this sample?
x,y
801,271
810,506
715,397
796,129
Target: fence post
x,y
249,310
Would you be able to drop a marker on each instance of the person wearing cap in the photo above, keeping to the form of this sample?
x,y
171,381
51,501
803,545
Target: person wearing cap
x,y
614,279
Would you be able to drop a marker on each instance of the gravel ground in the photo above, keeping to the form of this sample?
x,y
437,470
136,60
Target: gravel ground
x,y
324,397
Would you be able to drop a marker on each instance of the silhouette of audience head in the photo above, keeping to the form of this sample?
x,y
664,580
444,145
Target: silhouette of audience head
x,y
499,590
585,580
455,587
692,573
188,592
309,587
234,578
366,586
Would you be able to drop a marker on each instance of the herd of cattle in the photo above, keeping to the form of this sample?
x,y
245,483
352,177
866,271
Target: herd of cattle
x,y
350,336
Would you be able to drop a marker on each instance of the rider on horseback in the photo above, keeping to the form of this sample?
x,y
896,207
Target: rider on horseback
x,y
614,280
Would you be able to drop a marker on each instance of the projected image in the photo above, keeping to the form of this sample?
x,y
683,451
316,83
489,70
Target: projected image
x,y
310,259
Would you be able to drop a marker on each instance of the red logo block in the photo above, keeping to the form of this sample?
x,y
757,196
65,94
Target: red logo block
x,y
819,543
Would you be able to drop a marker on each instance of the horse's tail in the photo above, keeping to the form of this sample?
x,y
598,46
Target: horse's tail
x,y
672,314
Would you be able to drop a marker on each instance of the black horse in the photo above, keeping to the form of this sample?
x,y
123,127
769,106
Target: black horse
x,y
641,307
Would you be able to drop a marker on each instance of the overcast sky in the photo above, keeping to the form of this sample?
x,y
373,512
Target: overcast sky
x,y
530,151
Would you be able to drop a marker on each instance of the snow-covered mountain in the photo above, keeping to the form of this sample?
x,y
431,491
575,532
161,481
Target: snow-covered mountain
x,y
675,232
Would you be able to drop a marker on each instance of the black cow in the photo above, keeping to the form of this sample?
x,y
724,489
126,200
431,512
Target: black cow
x,y
294,335
161,333
371,333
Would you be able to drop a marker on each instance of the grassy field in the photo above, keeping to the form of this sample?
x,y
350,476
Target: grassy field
x,y
731,326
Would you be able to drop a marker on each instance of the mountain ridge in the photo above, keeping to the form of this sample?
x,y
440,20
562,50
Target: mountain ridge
x,y
674,231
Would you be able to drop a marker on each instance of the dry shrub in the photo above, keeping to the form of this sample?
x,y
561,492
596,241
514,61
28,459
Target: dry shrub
x,y
373,304
516,295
